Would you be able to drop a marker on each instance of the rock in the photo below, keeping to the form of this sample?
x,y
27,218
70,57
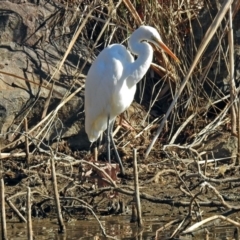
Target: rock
x,y
29,54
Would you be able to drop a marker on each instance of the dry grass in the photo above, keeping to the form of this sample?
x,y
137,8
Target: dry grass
x,y
179,105
203,105
200,108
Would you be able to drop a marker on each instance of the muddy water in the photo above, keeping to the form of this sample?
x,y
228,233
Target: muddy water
x,y
118,227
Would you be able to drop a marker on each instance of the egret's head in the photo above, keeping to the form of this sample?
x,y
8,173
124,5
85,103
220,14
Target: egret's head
x,y
151,34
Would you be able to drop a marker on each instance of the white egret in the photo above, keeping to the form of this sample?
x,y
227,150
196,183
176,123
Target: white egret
x,y
112,78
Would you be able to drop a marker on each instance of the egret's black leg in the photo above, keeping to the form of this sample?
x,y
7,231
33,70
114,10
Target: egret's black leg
x,y
108,140
115,149
95,151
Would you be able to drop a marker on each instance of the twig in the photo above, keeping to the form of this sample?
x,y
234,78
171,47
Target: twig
x,y
47,102
56,196
208,179
187,148
134,217
3,213
99,222
29,215
155,178
136,187
132,9
167,225
179,227
20,216
195,226
182,127
238,154
217,193
232,80
26,141
143,131
205,165
87,206
6,155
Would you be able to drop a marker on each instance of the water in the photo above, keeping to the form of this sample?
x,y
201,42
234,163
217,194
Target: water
x,y
118,227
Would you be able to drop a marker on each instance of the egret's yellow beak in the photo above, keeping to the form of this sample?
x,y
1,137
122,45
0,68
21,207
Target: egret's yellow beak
x,y
167,50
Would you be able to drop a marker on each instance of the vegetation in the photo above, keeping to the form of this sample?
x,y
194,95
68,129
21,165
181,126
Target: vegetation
x,y
184,117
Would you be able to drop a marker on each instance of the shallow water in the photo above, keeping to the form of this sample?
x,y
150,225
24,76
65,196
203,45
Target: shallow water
x,y
118,227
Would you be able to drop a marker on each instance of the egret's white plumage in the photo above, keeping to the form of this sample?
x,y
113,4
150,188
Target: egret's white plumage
x,y
112,78
105,89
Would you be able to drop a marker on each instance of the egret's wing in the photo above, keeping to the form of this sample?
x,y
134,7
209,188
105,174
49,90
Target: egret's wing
x,y
101,83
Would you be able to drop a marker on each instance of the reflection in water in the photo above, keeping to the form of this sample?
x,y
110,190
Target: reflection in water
x,y
118,227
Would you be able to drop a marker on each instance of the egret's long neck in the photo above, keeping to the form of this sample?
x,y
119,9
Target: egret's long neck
x,y
144,53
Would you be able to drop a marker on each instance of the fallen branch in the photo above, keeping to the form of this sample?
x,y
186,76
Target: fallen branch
x,y
195,226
